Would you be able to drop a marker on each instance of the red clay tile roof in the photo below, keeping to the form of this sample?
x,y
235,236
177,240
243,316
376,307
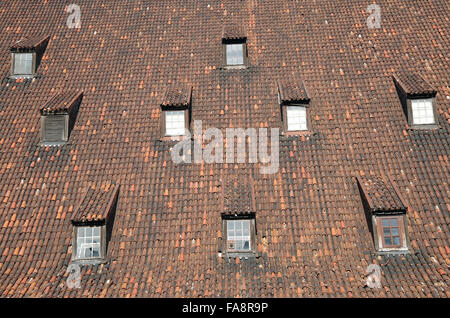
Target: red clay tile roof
x,y
177,95
381,196
292,92
233,32
312,233
62,102
31,42
96,205
238,195
413,84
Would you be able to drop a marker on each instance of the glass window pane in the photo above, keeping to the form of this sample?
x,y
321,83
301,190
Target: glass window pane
x,y
235,54
246,245
387,241
296,118
175,123
385,222
396,240
422,111
394,231
394,222
23,63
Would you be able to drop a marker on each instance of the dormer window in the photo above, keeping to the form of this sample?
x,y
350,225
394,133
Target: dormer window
x,y
418,100
385,213
175,111
234,44
26,56
58,117
92,224
238,216
294,106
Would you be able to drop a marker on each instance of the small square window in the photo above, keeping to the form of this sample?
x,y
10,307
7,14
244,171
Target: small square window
x,y
239,235
23,63
235,54
422,111
88,242
391,232
175,123
296,118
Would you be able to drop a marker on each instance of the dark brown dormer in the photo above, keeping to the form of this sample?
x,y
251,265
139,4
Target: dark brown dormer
x,y
294,106
26,56
92,224
385,213
418,100
58,117
176,111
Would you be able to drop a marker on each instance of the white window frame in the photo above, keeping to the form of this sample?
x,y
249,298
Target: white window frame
x,y
235,60
83,242
422,111
31,61
171,128
239,236
297,118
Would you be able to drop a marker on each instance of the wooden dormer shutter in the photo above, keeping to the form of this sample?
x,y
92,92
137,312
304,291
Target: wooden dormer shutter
x,y
55,128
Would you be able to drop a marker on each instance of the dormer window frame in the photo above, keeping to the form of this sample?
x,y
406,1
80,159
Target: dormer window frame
x,y
186,112
65,133
32,74
245,60
232,252
75,248
411,123
379,236
284,111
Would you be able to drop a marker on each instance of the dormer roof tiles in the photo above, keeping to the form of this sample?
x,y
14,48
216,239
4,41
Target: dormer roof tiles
x,y
63,102
30,43
177,95
292,92
96,204
238,196
233,32
413,84
381,195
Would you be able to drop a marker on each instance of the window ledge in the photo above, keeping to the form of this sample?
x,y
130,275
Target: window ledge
x,y
298,133
424,127
394,251
53,143
25,76
244,254
235,67
93,261
173,138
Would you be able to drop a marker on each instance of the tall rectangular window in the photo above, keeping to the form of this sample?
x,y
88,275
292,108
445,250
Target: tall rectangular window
x,y
235,54
238,235
23,63
175,123
54,128
88,242
422,111
296,118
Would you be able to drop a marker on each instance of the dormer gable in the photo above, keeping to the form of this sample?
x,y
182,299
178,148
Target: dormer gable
x,y
26,56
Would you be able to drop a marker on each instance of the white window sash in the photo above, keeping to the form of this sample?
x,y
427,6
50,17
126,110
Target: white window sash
x,y
23,63
296,118
175,123
422,111
235,54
